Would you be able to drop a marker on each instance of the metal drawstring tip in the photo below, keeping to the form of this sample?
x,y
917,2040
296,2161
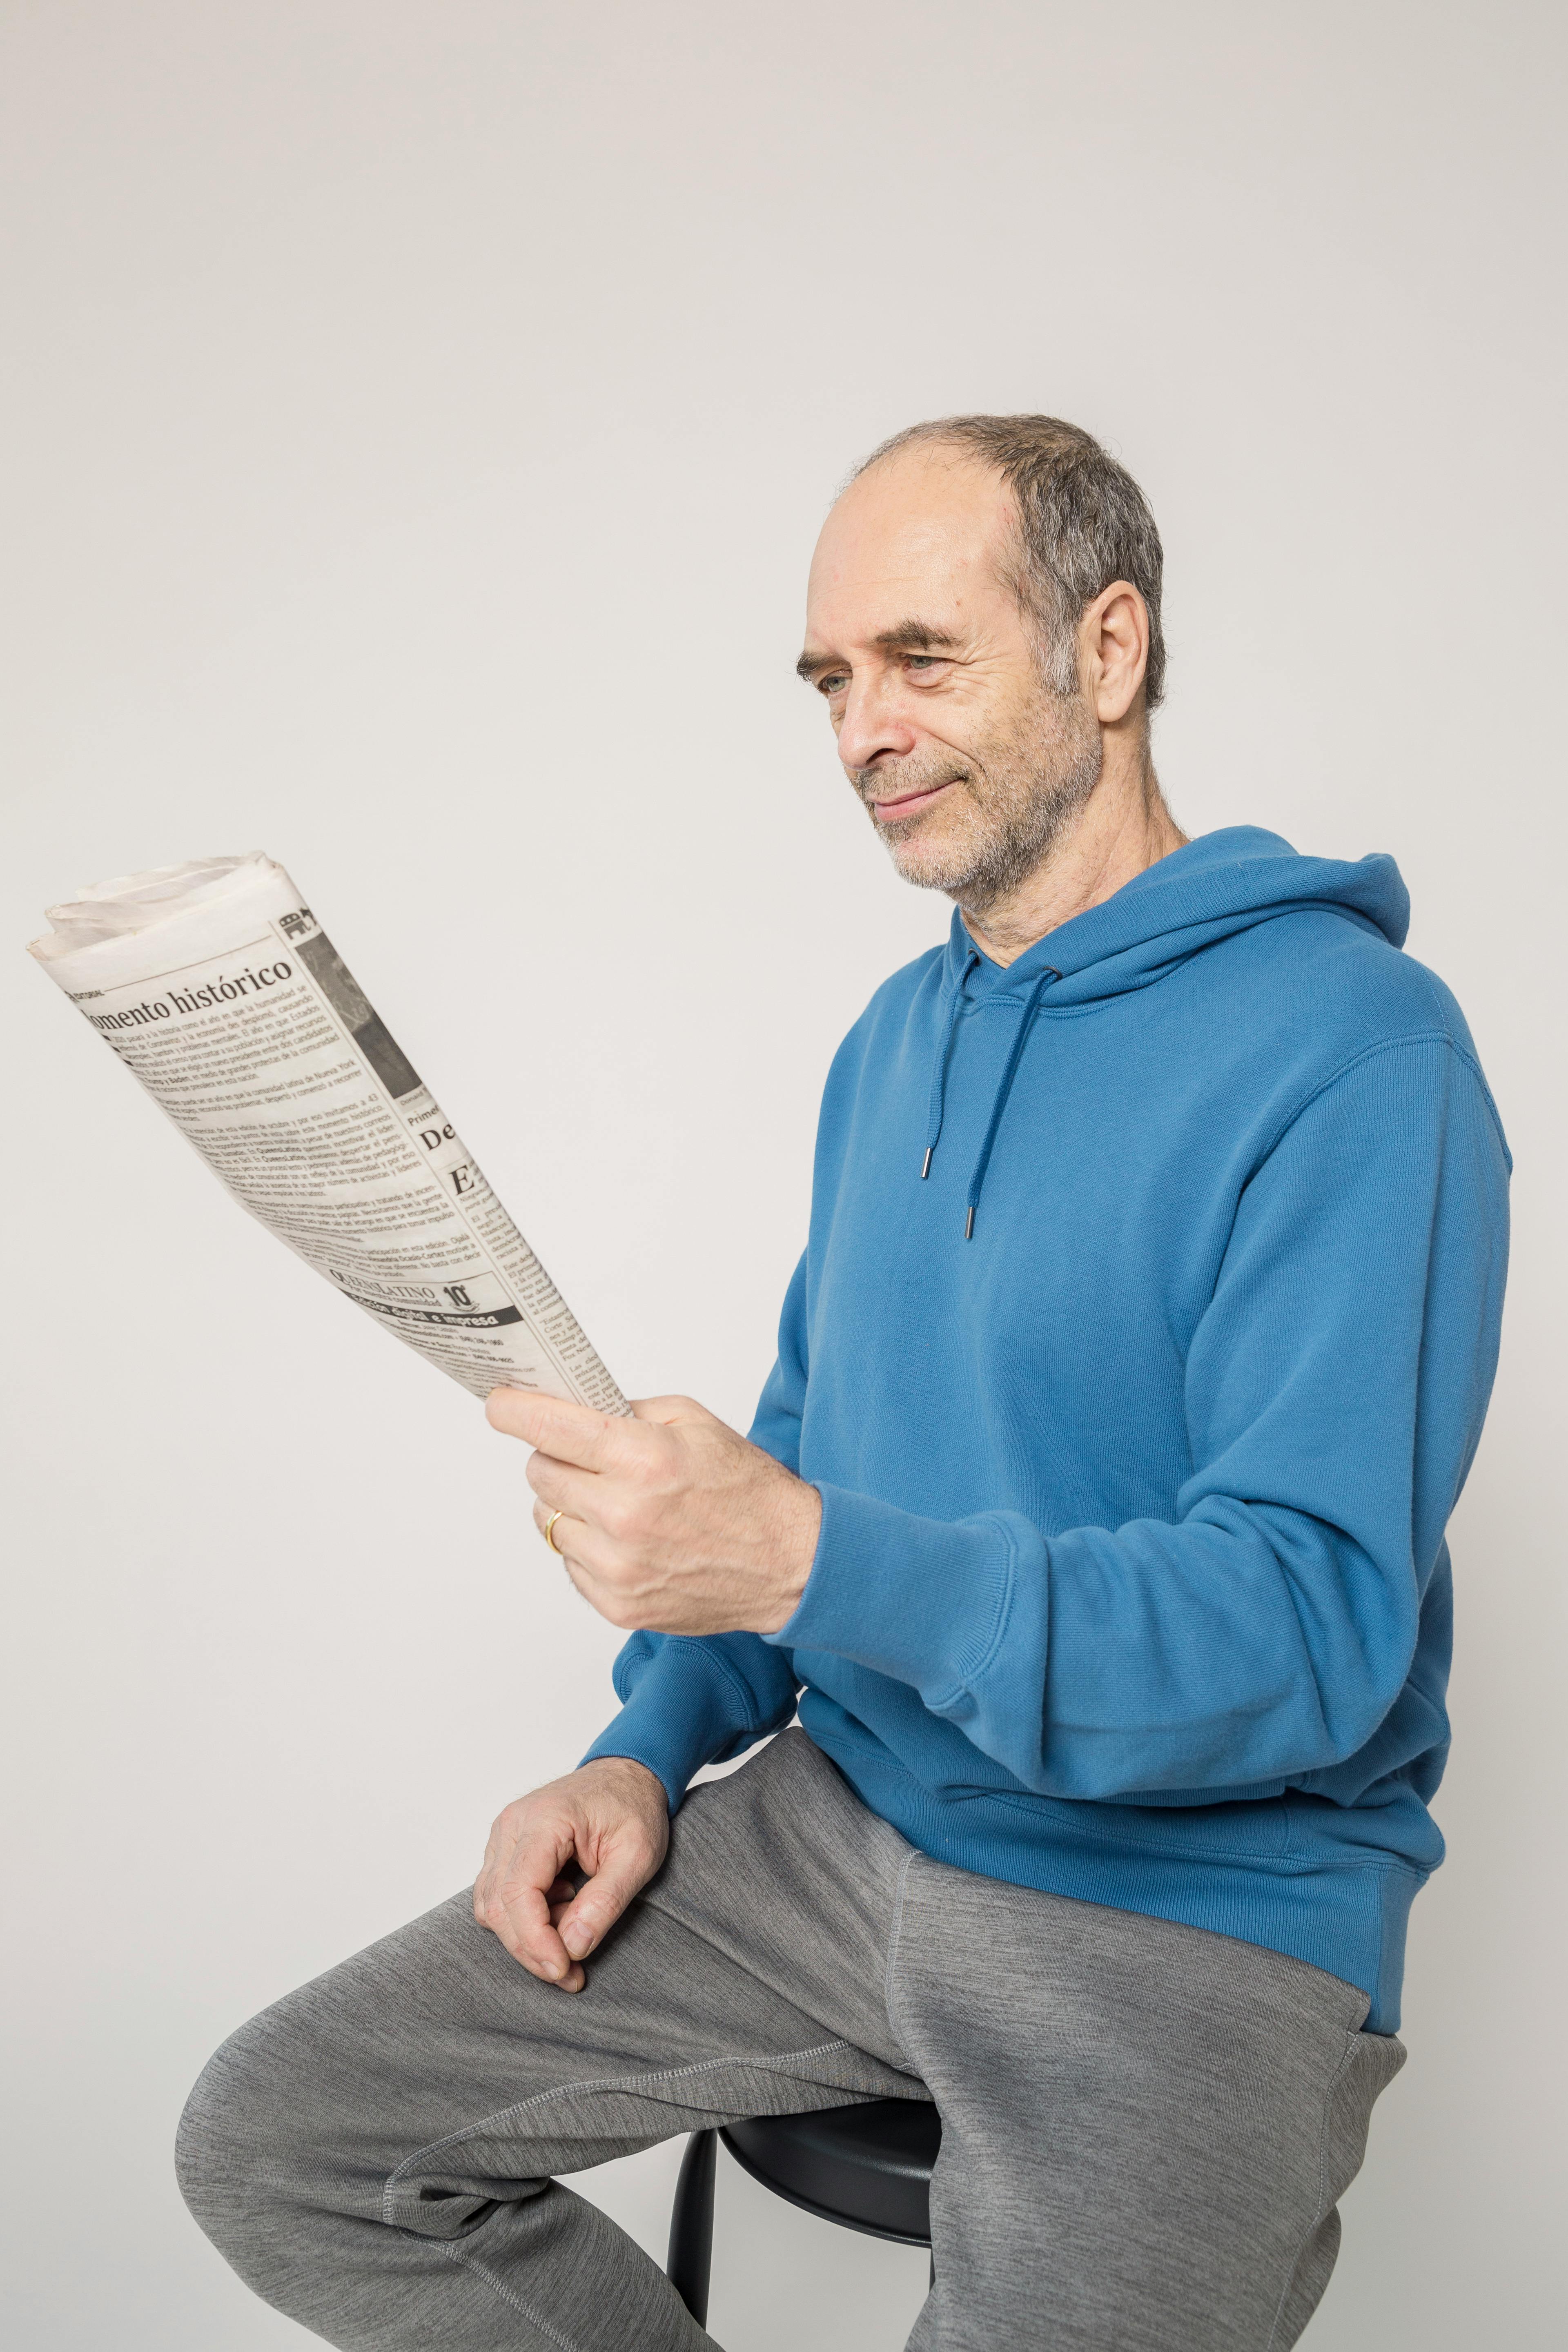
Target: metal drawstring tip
x,y
925,1163
968,1224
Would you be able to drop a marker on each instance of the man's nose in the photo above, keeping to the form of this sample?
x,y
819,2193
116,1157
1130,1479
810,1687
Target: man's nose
x,y
873,727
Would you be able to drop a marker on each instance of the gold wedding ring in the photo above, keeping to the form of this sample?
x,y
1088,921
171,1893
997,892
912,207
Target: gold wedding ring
x,y
549,1533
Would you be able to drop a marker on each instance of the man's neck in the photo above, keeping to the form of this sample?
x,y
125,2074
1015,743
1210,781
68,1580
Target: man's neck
x,y
1124,828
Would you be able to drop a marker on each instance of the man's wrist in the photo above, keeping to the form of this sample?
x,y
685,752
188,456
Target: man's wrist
x,y
636,1776
801,1522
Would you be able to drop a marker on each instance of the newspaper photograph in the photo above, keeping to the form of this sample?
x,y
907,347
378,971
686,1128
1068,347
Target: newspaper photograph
x,y
216,986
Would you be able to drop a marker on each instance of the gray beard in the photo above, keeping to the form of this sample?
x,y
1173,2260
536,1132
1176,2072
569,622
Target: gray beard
x,y
1025,794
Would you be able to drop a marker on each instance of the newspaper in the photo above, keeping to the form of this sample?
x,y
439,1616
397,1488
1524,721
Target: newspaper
x,y
215,985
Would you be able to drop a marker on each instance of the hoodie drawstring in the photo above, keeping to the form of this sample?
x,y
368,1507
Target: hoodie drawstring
x,y
1004,1089
939,1068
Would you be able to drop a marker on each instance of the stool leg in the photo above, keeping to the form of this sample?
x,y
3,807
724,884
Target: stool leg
x,y
691,2225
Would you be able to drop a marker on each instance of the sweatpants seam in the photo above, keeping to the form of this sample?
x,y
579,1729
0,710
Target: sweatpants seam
x,y
590,2083
1315,2224
499,2287
889,2002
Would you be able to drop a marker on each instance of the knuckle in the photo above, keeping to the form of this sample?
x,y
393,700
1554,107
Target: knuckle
x,y
623,1521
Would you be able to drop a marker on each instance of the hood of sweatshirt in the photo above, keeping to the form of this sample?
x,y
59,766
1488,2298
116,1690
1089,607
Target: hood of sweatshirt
x,y
1222,883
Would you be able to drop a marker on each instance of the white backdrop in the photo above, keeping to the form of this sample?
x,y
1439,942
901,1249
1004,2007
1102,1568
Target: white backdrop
x,y
421,413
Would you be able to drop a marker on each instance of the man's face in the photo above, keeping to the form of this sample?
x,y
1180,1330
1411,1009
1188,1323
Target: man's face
x,y
969,767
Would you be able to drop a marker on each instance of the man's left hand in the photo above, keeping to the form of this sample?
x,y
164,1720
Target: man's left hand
x,y
671,1520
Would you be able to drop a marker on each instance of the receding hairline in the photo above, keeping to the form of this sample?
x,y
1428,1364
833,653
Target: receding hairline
x,y
951,455
918,442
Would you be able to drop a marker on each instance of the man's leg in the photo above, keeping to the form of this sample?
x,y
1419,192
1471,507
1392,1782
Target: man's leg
x,y
1145,2128
374,2154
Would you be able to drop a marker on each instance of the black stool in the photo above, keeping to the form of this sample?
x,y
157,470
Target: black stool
x,y
868,2168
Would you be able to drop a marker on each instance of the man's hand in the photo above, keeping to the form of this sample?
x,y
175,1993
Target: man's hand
x,y
671,1520
610,1818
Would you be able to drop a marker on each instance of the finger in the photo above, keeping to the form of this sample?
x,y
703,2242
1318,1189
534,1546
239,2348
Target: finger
x,y
581,1543
498,1847
526,1929
562,1487
594,1565
572,1433
621,1876
512,1900
542,1518
667,1409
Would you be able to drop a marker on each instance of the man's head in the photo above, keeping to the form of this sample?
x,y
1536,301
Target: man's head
x,y
984,611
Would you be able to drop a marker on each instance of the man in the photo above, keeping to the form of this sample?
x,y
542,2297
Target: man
x,y
1094,1514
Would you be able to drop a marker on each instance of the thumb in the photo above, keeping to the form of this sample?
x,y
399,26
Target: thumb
x,y
624,1870
669,1408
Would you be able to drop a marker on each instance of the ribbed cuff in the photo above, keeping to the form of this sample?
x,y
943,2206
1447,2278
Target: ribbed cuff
x,y
684,1710
920,1600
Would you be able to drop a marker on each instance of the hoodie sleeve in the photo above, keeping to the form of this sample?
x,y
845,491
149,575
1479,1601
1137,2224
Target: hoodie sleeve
x,y
688,1702
1335,1387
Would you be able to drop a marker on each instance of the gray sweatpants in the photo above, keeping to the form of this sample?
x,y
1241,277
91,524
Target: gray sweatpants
x,y
1145,2128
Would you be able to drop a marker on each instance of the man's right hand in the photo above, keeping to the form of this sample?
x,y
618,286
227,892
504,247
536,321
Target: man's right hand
x,y
609,1817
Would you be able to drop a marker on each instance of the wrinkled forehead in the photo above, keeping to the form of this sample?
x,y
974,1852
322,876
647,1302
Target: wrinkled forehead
x,y
927,531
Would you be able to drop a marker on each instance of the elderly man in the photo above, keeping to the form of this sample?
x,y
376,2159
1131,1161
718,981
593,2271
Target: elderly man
x,y
1093,1518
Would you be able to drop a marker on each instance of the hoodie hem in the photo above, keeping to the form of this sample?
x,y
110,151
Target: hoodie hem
x,y
1345,1916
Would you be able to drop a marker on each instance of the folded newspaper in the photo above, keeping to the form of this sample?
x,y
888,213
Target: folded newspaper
x,y
217,987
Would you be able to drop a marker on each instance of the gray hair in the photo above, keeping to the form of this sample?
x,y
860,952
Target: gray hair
x,y
1082,522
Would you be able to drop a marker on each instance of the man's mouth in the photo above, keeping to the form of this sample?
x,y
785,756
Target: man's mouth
x,y
889,812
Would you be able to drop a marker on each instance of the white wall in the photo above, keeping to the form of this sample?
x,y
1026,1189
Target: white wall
x,y
422,413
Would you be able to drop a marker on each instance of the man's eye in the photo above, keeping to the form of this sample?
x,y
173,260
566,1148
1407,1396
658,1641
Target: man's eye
x,y
837,681
922,661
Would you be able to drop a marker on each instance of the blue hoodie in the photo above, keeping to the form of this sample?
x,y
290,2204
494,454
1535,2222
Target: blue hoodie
x,y
1140,1351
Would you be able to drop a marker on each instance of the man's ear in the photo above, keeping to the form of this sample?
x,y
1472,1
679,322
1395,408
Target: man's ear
x,y
1113,648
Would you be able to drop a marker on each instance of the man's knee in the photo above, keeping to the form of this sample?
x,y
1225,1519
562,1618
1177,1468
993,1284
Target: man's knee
x,y
236,2146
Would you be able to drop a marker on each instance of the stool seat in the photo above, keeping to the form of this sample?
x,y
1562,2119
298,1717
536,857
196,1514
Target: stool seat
x,y
866,2167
